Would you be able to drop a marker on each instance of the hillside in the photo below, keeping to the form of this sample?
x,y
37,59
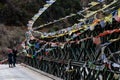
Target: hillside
x,y
15,12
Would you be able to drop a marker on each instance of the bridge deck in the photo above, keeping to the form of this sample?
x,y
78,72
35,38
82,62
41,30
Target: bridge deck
x,y
20,73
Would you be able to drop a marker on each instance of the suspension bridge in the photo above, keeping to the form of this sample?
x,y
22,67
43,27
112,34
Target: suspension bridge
x,y
88,50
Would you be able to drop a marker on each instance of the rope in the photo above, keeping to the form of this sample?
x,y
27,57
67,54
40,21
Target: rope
x,y
41,10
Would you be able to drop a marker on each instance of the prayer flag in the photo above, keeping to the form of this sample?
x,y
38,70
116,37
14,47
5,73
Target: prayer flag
x,y
96,40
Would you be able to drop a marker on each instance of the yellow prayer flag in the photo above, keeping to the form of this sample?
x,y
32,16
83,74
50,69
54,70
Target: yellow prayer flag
x,y
42,36
119,12
94,3
108,18
60,35
85,26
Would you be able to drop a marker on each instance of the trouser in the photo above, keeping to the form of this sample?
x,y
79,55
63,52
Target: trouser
x,y
10,62
14,61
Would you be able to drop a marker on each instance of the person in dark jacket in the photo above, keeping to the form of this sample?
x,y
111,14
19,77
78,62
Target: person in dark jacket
x,y
14,56
10,58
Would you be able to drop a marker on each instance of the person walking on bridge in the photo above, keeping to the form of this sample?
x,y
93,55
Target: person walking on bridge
x,y
14,56
10,56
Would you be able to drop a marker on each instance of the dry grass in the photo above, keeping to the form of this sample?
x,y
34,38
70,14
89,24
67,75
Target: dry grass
x,y
10,36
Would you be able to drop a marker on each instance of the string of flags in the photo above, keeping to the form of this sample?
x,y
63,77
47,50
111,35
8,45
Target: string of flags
x,y
72,29
96,40
91,27
81,26
80,13
95,22
71,15
41,10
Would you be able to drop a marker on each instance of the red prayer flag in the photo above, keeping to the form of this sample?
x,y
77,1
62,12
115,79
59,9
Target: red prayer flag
x,y
46,53
96,40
